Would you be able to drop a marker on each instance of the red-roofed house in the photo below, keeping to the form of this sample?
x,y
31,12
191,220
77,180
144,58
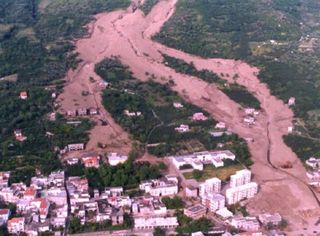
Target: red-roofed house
x,y
30,193
4,216
19,136
42,205
16,225
91,161
23,95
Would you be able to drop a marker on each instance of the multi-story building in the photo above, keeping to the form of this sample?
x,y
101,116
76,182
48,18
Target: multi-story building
x,y
245,223
239,193
155,222
195,212
213,201
16,225
148,206
240,178
160,187
273,219
212,185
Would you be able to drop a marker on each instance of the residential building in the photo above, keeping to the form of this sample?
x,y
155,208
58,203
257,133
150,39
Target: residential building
x,y
182,128
148,205
195,212
115,159
23,95
313,162
4,216
42,205
72,161
274,219
239,193
245,223
82,111
91,161
160,187
4,179
199,116
220,125
19,136
154,222
71,113
212,185
177,105
224,213
291,101
132,114
30,193
213,201
93,111
16,225
75,147
191,191
249,120
241,177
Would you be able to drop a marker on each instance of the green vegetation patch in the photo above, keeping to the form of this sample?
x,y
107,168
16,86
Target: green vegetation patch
x,y
148,5
210,171
241,95
181,66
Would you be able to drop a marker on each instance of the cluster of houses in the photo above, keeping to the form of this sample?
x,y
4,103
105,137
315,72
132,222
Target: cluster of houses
x,y
198,116
82,112
314,173
199,159
92,160
41,207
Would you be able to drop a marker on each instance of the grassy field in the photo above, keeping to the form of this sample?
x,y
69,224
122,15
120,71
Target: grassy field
x,y
210,171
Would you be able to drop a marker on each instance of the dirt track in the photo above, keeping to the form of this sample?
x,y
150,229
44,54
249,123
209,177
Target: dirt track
x,y
127,34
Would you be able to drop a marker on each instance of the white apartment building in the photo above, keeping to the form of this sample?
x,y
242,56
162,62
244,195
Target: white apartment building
x,y
154,222
240,178
239,193
212,185
245,223
160,187
213,201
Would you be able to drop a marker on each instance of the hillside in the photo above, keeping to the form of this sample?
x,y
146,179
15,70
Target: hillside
x,y
280,37
36,51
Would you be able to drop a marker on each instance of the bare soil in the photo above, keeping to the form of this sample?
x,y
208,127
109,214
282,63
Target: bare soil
x,y
127,34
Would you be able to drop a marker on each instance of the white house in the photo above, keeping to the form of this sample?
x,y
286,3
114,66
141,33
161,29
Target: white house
x,y
115,159
220,125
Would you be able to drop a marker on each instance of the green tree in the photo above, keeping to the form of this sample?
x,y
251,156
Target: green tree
x,y
197,174
159,232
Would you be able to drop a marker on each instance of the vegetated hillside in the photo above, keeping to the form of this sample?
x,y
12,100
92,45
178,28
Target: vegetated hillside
x,y
155,124
279,36
35,47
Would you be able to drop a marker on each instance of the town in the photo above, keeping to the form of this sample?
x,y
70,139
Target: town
x,y
57,203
